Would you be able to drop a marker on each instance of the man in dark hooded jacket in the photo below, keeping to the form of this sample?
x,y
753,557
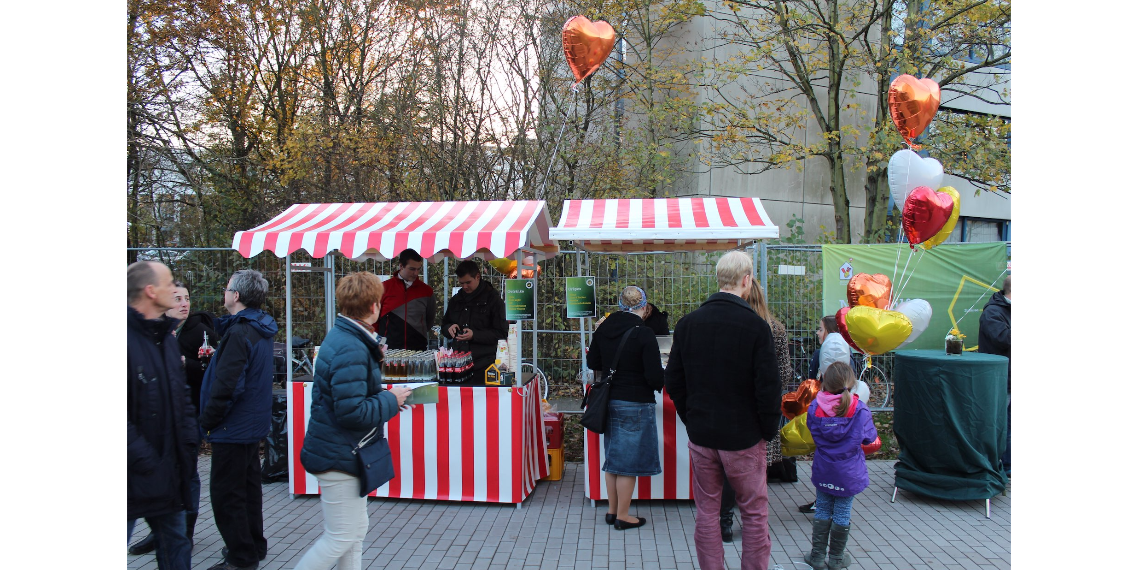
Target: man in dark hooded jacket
x,y
994,338
476,317
162,436
237,402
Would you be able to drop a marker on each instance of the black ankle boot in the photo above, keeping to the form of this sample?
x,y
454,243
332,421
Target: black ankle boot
x,y
726,527
143,546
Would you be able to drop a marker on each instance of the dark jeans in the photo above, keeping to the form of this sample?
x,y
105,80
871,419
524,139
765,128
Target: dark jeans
x,y
235,495
1005,457
172,548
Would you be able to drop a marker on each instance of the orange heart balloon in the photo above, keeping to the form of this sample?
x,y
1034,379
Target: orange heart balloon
x,y
912,103
869,290
796,403
586,44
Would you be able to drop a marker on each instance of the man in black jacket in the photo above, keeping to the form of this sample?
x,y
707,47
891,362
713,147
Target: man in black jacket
x,y
476,317
162,434
724,381
994,338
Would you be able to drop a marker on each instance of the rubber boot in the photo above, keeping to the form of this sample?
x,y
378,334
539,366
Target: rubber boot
x,y
191,518
817,558
726,527
837,556
143,546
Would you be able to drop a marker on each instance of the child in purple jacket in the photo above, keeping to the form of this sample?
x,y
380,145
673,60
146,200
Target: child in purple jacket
x,y
840,425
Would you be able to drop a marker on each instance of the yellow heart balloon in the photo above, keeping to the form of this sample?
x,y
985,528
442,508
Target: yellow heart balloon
x,y
877,331
948,227
504,265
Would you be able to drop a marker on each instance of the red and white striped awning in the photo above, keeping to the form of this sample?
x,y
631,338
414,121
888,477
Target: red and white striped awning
x,y
664,224
381,230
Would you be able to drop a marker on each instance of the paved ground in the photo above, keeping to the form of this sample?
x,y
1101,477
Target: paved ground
x,y
558,528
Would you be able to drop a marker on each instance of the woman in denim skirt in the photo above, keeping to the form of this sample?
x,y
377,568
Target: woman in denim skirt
x,y
631,434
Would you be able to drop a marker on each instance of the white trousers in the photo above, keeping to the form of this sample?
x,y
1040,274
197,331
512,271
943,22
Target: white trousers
x,y
346,522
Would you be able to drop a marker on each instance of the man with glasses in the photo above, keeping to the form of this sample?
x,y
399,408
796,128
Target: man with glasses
x,y
237,401
407,310
476,317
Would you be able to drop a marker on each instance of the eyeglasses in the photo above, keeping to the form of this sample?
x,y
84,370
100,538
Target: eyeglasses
x,y
229,290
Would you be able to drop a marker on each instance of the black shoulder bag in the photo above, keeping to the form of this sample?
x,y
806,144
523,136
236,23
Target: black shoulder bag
x,y
597,398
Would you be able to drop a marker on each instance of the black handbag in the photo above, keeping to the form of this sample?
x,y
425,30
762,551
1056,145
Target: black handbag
x,y
375,462
597,399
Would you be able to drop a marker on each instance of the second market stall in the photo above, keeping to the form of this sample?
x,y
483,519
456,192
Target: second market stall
x,y
659,225
481,444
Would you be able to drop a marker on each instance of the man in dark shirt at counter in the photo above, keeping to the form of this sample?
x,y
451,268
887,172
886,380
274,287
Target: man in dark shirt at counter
x,y
476,317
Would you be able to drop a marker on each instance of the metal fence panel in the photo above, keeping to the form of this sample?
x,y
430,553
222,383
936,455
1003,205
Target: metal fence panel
x,y
677,283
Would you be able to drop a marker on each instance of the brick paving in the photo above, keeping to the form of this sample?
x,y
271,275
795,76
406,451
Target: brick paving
x,y
558,528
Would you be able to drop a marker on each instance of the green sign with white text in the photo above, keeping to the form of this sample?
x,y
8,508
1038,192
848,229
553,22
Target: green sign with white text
x,y
581,300
520,299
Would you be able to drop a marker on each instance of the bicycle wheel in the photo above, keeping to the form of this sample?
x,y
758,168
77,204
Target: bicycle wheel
x,y
879,385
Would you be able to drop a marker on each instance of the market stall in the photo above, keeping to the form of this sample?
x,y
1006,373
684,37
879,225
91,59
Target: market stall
x,y
659,225
478,443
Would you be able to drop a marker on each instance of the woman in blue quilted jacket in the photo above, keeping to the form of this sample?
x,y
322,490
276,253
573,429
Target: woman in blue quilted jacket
x,y
349,401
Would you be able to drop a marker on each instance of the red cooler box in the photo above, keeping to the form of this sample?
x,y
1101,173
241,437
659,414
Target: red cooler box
x,y
552,424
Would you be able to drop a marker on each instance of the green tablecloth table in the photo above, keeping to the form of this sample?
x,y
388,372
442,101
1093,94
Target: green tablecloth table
x,y
950,421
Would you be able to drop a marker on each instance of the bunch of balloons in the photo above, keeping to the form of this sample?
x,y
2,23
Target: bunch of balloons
x,y
930,210
873,323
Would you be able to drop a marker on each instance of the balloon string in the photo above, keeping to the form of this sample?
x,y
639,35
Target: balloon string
x,y
921,254
558,142
890,301
895,294
984,293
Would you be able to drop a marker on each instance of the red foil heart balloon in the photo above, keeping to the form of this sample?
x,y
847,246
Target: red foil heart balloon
x,y
869,290
841,323
924,214
872,447
912,103
586,44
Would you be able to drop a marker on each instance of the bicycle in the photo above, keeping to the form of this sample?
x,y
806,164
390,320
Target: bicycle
x,y
298,360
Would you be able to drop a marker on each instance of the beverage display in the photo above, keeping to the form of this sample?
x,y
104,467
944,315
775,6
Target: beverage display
x,y
409,366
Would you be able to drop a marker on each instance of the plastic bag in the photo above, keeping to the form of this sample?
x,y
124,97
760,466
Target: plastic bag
x,y
275,466
795,439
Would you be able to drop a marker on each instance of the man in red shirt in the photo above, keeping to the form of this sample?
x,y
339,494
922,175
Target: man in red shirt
x,y
407,309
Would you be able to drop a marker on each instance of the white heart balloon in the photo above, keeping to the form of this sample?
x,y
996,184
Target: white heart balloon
x,y
919,313
907,171
863,391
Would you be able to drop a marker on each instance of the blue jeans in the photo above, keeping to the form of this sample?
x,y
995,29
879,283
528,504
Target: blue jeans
x,y
172,548
833,508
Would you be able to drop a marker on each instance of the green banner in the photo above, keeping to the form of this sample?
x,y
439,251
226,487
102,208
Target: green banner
x,y
520,299
954,278
581,299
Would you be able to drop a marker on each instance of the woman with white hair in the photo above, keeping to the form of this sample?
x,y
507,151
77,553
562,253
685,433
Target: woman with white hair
x,y
631,433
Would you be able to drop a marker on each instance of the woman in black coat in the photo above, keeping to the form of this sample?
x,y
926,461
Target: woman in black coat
x,y
631,433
